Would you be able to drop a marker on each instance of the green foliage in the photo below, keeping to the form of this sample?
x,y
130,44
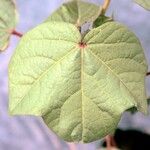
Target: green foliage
x,y
80,86
144,3
7,22
76,12
101,20
148,100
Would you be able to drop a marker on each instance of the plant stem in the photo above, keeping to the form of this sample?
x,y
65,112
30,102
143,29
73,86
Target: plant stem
x,y
148,73
72,146
108,142
16,33
105,6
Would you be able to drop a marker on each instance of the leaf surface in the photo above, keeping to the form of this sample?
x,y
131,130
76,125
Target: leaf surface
x,y
80,87
144,3
76,12
7,22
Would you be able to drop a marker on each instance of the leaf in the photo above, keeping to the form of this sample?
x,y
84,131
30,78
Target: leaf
x,y
101,20
144,3
80,87
7,22
148,101
75,12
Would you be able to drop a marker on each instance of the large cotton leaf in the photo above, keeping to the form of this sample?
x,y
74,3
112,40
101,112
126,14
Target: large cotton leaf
x,y
79,86
7,22
76,12
144,3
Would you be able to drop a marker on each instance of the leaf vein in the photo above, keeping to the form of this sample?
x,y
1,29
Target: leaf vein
x,y
112,72
43,74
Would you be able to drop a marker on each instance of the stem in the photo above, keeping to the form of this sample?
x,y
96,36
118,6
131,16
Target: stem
x,y
148,73
108,142
105,6
16,33
72,146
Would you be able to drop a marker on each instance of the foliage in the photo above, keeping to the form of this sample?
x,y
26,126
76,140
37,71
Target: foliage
x,y
75,12
80,84
144,3
8,19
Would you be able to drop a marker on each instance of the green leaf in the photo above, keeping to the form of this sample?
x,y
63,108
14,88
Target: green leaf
x,y
80,87
75,12
101,20
144,3
7,22
148,101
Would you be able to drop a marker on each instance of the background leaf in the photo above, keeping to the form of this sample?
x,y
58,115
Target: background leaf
x,y
148,100
75,12
7,21
101,20
144,3
80,89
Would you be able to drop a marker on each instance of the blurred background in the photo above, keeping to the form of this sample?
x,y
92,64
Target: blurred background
x,y
29,132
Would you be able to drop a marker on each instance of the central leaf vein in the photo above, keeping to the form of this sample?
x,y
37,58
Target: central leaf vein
x,y
112,72
82,89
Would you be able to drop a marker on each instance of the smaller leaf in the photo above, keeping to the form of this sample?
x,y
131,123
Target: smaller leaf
x,y
76,12
7,21
144,3
148,101
133,110
101,20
